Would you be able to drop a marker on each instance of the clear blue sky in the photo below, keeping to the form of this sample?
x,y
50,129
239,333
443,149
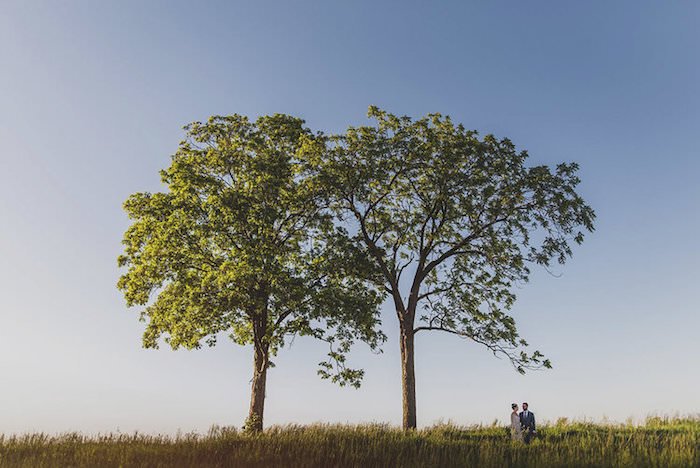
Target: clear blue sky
x,y
93,96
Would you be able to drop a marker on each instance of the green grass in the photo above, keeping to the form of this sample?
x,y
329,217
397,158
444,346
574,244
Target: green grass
x,y
658,443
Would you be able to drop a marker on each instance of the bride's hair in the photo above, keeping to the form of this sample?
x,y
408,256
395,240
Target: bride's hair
x,y
514,405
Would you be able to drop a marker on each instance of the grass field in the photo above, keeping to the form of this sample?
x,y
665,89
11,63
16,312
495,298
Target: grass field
x,y
661,442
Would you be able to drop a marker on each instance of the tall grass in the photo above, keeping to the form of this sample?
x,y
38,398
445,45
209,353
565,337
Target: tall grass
x,y
661,442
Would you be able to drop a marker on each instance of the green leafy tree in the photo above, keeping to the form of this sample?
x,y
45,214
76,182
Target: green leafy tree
x,y
452,223
240,243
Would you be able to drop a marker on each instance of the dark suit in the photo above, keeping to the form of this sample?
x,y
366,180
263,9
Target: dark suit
x,y
527,422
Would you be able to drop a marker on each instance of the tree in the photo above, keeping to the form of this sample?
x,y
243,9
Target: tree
x,y
240,243
452,222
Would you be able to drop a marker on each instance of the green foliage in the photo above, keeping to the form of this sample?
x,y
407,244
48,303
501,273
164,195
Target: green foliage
x,y
465,216
665,443
240,243
252,424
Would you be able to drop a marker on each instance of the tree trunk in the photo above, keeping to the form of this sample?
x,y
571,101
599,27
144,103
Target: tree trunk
x,y
408,376
257,393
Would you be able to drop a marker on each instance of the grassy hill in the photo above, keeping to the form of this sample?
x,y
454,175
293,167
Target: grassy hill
x,y
658,443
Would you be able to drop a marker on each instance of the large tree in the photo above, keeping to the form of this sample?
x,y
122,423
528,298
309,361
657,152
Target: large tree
x,y
452,221
240,243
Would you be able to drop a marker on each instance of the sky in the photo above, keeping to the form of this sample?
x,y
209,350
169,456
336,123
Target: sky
x,y
93,98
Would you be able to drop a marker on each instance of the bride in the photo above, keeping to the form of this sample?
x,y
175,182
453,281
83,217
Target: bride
x,y
516,432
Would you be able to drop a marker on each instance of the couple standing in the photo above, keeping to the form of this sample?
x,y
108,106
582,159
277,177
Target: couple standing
x,y
522,426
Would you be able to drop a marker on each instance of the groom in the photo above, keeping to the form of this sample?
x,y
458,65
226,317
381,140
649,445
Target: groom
x,y
527,422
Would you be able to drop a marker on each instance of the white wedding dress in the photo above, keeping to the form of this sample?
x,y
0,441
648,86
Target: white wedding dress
x,y
516,432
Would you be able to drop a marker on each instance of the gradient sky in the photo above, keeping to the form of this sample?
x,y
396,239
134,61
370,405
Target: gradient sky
x,y
93,97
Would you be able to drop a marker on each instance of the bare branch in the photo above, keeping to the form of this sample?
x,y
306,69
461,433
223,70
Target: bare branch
x,y
497,349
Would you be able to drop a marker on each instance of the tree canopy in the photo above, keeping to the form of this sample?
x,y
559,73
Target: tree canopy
x,y
452,222
241,243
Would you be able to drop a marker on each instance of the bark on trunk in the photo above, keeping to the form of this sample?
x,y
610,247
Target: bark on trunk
x,y
257,394
408,377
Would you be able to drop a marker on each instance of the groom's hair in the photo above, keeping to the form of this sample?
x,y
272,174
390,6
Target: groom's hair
x,y
525,403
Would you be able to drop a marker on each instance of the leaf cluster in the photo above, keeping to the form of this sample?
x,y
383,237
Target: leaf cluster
x,y
453,221
241,243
